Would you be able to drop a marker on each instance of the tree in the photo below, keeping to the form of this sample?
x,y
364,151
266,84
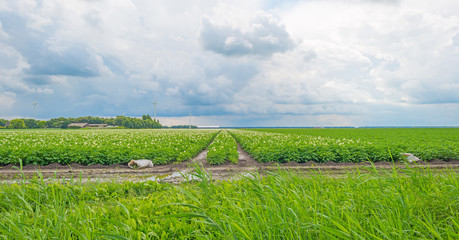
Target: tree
x,y
138,123
148,123
156,124
42,124
17,124
3,122
30,123
108,121
60,122
184,126
128,123
118,121
146,117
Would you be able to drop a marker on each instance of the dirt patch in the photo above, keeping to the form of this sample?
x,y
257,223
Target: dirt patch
x,y
169,172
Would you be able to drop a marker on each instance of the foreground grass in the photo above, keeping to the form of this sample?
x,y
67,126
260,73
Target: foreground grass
x,y
413,204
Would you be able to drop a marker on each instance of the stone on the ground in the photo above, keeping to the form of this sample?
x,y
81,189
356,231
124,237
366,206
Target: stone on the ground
x,y
141,163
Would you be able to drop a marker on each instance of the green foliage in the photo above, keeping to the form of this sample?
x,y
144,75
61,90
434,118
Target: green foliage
x,y
419,204
128,123
184,126
277,147
223,148
88,119
146,117
348,145
30,123
41,124
3,122
59,122
101,146
425,143
17,124
118,121
62,122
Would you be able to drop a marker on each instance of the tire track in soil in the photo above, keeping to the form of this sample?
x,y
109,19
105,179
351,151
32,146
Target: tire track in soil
x,y
226,170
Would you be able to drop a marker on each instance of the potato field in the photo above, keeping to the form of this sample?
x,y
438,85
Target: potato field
x,y
87,147
349,145
101,146
393,200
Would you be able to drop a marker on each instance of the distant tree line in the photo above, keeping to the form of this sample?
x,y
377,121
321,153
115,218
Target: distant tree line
x,y
182,126
119,121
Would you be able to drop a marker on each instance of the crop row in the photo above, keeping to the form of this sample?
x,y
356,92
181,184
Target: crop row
x,y
280,145
223,148
101,146
277,147
425,143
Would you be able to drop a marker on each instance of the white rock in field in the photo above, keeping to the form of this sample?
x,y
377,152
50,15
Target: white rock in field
x,y
141,163
410,157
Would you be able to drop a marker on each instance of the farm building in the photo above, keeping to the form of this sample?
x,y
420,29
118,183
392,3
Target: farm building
x,y
80,125
97,125
85,125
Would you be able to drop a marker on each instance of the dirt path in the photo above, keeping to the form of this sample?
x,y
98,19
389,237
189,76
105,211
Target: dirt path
x,y
169,172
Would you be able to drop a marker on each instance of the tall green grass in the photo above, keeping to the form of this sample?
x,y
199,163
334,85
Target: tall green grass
x,y
415,203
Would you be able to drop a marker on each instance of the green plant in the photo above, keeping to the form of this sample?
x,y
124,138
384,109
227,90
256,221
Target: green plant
x,y
101,146
369,203
223,148
348,145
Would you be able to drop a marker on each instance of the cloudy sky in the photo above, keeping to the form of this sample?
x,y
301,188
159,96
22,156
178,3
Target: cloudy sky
x,y
235,62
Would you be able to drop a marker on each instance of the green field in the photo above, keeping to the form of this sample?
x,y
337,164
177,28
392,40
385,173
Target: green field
x,y
414,202
222,149
349,145
110,146
394,204
101,146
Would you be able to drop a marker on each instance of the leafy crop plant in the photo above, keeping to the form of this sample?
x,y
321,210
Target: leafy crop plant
x,y
222,149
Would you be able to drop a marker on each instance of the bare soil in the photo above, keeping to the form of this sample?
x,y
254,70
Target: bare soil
x,y
168,173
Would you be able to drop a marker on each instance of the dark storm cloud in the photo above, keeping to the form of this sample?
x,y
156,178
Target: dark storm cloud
x,y
45,56
435,94
72,61
37,80
266,37
27,42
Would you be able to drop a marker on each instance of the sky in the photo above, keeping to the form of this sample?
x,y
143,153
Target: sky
x,y
235,63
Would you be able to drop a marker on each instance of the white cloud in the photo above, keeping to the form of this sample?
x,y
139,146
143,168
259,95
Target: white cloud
x,y
264,36
400,43
7,100
12,66
3,35
279,60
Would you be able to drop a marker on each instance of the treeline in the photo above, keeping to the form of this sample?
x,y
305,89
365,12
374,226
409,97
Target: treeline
x,y
119,121
182,126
